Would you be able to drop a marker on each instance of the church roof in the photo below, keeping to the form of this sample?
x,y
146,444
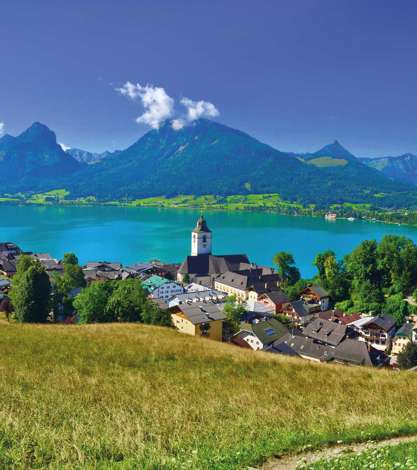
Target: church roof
x,y
201,225
210,264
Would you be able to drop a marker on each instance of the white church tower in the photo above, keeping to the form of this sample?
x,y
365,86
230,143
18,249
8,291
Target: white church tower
x,y
201,238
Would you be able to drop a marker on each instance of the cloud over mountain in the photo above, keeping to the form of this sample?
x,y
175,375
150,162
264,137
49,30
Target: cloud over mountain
x,y
2,126
157,103
159,106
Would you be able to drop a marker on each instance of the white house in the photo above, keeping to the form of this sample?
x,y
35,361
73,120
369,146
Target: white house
x,y
161,288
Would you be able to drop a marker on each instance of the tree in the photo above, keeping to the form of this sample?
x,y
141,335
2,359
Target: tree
x,y
332,275
30,292
91,303
71,278
408,357
397,262
367,298
397,307
234,312
362,266
294,291
126,301
154,315
286,268
186,278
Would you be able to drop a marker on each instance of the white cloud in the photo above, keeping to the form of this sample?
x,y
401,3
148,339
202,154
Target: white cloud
x,y
157,103
2,127
63,146
177,124
198,109
159,106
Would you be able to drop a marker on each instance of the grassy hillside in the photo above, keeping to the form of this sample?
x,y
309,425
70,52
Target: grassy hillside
x,y
326,162
402,456
134,396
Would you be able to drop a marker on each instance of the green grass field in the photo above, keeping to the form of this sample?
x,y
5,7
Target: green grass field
x,y
327,162
401,457
136,396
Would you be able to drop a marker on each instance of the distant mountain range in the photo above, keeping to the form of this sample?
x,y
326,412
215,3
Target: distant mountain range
x,y
204,157
402,168
84,156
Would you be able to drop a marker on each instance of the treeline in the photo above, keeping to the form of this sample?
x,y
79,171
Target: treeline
x,y
374,278
38,298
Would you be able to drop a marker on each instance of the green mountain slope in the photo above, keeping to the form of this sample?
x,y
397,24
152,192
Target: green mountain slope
x,y
203,158
210,158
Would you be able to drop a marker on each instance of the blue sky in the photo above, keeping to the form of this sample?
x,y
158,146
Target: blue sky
x,y
296,74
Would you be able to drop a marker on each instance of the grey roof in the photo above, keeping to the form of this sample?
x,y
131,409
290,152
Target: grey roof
x,y
353,352
7,265
202,312
269,330
301,308
385,322
103,266
327,332
201,225
138,267
95,274
348,351
252,279
304,346
9,246
51,264
212,264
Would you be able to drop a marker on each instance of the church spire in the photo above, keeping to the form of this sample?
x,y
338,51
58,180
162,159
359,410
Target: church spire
x,y
201,225
201,238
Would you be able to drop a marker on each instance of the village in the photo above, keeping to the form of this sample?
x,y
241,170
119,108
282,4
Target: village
x,y
229,298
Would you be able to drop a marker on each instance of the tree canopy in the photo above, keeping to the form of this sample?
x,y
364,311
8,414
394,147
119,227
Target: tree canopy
x,y
30,292
286,268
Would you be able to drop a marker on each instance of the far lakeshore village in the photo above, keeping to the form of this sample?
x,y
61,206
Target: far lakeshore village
x,y
360,310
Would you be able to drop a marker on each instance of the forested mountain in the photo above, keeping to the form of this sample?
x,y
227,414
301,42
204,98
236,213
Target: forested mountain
x,y
402,168
33,159
204,157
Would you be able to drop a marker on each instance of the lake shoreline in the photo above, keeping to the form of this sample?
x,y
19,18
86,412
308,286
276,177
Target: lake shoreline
x,y
129,234
244,209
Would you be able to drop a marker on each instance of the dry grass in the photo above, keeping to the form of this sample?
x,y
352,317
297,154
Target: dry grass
x,y
135,396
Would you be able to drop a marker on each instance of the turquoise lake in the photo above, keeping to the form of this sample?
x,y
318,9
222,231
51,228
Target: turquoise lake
x,y
131,235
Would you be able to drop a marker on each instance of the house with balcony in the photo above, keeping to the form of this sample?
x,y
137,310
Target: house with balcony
x,y
377,331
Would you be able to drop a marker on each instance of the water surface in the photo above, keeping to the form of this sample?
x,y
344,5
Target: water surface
x,y
130,235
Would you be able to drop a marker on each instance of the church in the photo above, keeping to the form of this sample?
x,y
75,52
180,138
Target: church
x,y
202,267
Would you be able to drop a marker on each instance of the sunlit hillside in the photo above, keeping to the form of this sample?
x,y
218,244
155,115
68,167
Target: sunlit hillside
x,y
135,396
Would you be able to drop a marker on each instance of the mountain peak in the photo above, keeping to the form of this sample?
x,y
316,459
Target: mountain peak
x,y
38,132
335,150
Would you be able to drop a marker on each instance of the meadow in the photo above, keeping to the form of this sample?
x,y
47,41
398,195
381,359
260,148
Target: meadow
x,y
136,396
402,456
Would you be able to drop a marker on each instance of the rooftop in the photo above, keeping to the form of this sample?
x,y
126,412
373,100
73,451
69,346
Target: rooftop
x,y
201,225
154,282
